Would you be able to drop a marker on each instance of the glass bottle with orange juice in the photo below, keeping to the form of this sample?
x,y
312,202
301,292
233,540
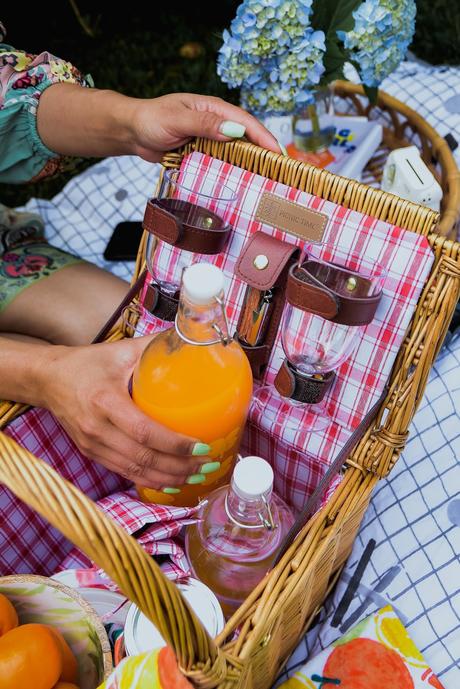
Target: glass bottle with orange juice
x,y
194,379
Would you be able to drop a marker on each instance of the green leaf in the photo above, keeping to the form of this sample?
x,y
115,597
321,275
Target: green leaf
x,y
372,93
331,16
334,59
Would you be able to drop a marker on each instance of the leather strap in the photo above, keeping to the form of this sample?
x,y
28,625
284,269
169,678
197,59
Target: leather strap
x,y
258,356
161,305
186,226
133,292
315,498
277,257
307,389
332,292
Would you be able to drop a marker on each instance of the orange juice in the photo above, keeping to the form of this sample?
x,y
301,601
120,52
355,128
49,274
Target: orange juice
x,y
198,389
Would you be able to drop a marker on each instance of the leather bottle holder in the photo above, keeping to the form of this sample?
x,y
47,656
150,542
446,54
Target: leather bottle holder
x,y
336,294
264,264
187,227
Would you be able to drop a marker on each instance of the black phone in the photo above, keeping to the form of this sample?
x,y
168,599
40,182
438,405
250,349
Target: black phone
x,y
124,242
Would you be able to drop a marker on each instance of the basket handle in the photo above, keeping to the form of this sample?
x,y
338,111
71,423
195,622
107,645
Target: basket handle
x,y
127,564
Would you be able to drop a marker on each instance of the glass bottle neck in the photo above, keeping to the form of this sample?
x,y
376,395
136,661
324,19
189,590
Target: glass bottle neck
x,y
245,512
200,324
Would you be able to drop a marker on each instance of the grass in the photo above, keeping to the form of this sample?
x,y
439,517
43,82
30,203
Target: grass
x,y
143,54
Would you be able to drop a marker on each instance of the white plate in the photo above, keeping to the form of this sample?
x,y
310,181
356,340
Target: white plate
x,y
111,607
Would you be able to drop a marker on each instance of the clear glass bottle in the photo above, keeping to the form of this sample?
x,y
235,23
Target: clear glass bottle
x,y
196,380
239,531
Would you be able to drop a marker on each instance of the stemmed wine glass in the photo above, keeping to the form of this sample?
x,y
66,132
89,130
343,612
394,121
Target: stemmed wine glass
x,y
200,213
316,346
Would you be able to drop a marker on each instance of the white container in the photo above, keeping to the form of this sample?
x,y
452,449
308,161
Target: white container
x,y
141,635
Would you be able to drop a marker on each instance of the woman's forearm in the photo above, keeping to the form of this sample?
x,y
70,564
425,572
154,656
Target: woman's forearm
x,y
76,121
23,367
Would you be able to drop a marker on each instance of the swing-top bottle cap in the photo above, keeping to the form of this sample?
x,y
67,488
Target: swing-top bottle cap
x,y
252,477
202,283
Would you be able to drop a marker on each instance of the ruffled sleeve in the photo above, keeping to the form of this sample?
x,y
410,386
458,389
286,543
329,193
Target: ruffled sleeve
x,y
23,78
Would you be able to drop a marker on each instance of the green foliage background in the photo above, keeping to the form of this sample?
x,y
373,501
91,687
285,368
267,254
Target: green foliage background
x,y
136,49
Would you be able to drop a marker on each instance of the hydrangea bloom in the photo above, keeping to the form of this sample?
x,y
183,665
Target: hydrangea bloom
x,y
379,40
273,53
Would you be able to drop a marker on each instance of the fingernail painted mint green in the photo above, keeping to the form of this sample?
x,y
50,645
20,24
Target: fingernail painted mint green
x,y
232,129
283,148
196,478
201,449
171,491
209,467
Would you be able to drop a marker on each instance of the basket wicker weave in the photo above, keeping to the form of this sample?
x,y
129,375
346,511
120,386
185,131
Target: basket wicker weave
x,y
402,126
275,615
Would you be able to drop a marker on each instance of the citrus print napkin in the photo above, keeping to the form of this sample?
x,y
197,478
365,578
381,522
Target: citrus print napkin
x,y
376,654
153,670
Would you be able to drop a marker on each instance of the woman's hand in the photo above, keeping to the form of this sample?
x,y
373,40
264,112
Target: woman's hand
x,y
73,120
162,124
86,388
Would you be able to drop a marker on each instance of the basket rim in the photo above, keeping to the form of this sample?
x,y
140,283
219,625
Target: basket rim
x,y
73,593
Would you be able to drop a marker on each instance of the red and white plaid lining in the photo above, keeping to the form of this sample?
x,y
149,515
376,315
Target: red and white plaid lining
x,y
29,544
160,525
299,457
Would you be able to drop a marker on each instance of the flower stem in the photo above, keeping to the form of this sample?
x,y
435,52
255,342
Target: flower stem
x,y
315,128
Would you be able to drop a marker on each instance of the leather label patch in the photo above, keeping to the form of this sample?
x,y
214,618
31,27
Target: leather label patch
x,y
291,217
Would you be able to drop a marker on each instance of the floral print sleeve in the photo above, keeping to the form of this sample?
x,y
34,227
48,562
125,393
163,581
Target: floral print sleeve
x,y
23,78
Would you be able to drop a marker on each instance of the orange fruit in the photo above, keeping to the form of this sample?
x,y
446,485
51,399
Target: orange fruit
x,y
69,662
8,615
65,685
366,664
30,656
168,671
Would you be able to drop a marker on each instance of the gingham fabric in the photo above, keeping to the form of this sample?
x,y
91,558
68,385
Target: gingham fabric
x,y
29,544
407,551
156,528
300,457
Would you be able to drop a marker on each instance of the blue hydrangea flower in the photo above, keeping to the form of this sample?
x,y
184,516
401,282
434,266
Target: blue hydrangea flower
x,y
381,35
273,54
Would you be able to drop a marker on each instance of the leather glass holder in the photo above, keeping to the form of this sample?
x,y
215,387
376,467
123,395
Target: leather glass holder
x,y
332,292
185,226
307,389
336,294
264,264
163,306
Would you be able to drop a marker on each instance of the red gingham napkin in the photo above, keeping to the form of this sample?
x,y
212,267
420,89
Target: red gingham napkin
x,y
160,525
29,544
300,458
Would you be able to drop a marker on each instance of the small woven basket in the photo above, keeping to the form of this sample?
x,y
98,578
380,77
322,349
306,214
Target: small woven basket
x,y
276,614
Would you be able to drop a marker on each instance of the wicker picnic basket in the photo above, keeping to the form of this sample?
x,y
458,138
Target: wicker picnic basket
x,y
273,618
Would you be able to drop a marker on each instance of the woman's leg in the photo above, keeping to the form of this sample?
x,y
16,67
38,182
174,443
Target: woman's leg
x,y
67,307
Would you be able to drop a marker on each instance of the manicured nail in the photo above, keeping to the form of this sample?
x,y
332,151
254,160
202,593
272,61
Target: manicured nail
x,y
171,491
200,449
209,467
282,147
232,129
195,478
